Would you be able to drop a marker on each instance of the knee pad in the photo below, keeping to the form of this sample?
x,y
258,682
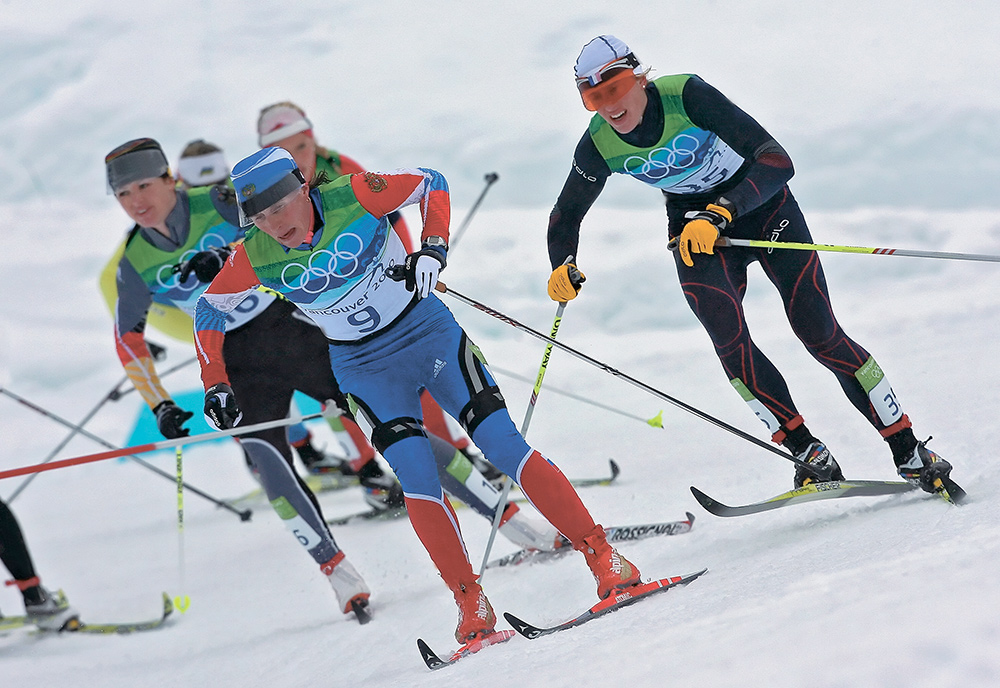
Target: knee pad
x,y
480,406
386,434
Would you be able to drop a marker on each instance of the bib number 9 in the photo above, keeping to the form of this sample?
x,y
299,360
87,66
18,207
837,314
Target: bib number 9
x,y
366,320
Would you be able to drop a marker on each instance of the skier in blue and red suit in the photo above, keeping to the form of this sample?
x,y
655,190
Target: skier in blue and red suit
x,y
721,173
331,250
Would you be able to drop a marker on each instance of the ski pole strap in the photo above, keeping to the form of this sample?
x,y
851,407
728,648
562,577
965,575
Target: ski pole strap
x,y
725,242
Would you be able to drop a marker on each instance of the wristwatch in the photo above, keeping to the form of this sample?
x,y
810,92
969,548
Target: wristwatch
x,y
435,241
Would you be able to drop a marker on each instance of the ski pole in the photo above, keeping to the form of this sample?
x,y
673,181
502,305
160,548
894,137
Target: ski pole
x,y
73,433
129,452
821,473
655,421
490,179
724,242
524,431
181,601
116,452
114,395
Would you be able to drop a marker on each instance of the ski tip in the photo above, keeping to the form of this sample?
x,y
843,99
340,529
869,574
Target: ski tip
x,y
615,469
523,627
361,611
702,498
168,605
690,517
430,658
952,492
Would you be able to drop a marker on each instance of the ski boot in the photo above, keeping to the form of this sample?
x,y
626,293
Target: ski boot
x,y
348,585
382,491
923,468
50,612
611,570
475,613
318,462
816,454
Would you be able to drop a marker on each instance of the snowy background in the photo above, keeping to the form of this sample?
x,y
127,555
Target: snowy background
x,y
890,113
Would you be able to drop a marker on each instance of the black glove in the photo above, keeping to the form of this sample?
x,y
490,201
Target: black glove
x,y
205,264
421,269
170,418
221,407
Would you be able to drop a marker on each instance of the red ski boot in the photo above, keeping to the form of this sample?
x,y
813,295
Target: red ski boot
x,y
611,570
475,614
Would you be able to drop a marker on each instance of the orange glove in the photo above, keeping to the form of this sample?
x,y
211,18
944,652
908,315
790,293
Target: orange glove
x,y
701,231
565,282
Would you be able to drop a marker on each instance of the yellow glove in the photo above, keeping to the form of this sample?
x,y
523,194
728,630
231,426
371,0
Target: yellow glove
x,y
565,281
701,231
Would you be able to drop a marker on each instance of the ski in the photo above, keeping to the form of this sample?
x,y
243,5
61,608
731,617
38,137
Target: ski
x,y
129,627
814,491
613,533
623,598
950,491
76,626
317,482
434,662
362,612
606,480
371,514
392,514
8,623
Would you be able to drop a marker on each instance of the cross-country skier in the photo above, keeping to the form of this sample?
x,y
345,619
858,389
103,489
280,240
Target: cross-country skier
x,y
45,610
178,244
329,249
202,163
285,125
721,173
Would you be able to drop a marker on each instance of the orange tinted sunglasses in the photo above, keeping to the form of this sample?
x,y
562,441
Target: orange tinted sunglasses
x,y
608,91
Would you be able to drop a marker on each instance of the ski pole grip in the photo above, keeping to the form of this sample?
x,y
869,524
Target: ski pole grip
x,y
721,242
397,273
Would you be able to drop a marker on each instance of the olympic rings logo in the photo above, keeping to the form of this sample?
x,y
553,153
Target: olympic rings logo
x,y
168,279
681,154
342,262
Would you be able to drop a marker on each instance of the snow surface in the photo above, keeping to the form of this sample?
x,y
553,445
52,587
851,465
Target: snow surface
x,y
891,591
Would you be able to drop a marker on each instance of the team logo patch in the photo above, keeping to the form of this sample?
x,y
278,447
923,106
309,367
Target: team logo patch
x,y
375,182
248,190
